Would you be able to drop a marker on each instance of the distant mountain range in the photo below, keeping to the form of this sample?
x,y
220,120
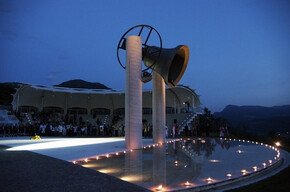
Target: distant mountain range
x,y
257,119
78,83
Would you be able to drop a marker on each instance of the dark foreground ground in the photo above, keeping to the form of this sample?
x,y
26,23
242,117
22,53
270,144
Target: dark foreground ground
x,y
277,183
27,171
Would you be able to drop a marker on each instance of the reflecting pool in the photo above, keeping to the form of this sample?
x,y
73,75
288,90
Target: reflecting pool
x,y
185,163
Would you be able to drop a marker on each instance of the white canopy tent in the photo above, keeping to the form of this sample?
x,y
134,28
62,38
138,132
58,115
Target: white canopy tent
x,y
39,97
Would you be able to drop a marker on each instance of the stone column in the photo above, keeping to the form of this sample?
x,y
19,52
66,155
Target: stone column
x,y
158,108
133,93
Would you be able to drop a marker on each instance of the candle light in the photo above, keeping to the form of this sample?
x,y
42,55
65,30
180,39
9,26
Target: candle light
x,y
278,144
159,188
244,171
255,168
209,180
176,162
187,184
239,151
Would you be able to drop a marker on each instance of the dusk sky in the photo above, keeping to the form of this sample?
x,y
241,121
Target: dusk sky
x,y
239,49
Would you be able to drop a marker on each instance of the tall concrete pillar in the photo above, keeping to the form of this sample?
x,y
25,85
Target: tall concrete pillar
x,y
158,108
133,93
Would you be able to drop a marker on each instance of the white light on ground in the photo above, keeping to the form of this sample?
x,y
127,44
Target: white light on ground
x,y
62,143
108,171
132,178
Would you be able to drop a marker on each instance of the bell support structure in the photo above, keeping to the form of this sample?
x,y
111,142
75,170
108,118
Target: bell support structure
x,y
133,93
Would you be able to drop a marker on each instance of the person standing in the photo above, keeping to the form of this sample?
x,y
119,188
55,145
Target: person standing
x,y
221,131
166,131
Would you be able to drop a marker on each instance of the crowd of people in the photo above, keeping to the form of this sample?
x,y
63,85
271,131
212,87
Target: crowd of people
x,y
61,129
55,124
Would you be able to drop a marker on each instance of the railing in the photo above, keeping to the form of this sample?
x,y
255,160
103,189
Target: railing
x,y
186,121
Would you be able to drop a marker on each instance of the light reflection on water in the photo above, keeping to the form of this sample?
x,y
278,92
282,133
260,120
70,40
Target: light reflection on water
x,y
185,163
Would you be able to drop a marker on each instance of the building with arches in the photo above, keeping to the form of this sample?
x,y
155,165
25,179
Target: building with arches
x,y
102,103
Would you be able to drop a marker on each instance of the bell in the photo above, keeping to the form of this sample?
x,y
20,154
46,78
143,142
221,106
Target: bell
x,y
169,63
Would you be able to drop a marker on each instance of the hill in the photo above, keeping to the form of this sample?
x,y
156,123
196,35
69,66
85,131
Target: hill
x,y
257,119
78,83
6,92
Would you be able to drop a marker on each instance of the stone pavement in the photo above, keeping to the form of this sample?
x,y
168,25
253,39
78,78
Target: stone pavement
x,y
28,171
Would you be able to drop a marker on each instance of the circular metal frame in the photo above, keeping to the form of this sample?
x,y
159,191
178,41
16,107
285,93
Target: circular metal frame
x,y
122,44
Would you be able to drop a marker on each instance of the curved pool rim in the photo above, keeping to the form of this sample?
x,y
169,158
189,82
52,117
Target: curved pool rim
x,y
232,182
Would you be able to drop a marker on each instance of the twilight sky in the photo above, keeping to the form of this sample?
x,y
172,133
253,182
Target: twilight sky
x,y
239,50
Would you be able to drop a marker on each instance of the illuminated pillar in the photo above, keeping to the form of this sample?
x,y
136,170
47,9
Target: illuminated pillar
x,y
133,93
158,108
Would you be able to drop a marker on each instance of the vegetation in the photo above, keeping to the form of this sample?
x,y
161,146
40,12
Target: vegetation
x,y
6,92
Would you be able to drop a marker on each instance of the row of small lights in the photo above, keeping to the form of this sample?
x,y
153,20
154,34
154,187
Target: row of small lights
x,y
278,144
86,160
